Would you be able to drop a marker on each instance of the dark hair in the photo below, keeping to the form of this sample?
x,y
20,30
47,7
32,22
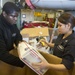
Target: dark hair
x,y
10,7
66,18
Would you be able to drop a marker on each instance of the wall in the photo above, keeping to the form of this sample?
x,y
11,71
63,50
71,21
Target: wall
x,y
27,15
4,1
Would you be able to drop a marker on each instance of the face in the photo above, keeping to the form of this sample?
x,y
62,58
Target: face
x,y
62,28
11,18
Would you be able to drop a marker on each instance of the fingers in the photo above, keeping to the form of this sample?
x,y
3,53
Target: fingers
x,y
36,66
42,40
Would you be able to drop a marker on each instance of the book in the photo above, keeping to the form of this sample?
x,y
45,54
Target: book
x,y
29,55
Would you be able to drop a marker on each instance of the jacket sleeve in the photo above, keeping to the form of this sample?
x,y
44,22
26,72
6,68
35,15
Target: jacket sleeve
x,y
69,55
6,57
18,36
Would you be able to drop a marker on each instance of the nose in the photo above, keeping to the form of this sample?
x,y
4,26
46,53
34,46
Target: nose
x,y
15,18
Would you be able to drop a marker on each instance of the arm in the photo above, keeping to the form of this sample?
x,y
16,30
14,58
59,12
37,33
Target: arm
x,y
5,56
60,65
50,44
44,64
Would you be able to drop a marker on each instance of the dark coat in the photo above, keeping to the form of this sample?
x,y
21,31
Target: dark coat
x,y
9,35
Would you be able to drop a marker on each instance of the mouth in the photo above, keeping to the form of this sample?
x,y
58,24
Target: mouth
x,y
14,22
59,31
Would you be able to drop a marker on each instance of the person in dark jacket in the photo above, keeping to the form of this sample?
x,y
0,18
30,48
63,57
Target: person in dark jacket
x,y
9,34
64,46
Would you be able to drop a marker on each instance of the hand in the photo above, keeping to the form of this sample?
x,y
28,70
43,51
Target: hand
x,y
43,42
41,65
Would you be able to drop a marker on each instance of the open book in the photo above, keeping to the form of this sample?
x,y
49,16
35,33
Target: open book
x,y
30,55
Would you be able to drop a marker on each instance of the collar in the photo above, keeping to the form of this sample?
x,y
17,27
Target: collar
x,y
71,36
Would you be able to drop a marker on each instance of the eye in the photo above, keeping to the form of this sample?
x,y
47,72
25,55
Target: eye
x,y
13,16
59,25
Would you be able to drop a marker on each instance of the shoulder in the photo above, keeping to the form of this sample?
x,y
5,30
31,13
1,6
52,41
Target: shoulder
x,y
74,34
72,38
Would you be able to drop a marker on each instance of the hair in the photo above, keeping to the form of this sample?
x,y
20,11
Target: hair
x,y
66,18
10,7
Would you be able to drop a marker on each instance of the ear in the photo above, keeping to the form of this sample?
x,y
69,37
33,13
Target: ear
x,y
4,14
69,25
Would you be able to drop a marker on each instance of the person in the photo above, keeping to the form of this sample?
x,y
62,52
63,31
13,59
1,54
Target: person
x,y
64,46
9,34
